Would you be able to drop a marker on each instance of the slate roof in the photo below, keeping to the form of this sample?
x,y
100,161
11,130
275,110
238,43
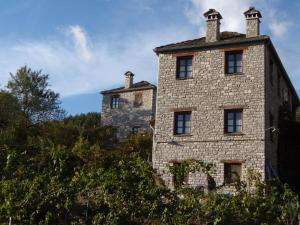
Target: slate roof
x,y
226,37
142,85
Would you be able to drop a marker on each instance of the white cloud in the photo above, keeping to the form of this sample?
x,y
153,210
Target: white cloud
x,y
80,41
279,28
77,68
232,13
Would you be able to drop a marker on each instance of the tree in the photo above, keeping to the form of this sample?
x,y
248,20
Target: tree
x,y
85,121
10,111
37,102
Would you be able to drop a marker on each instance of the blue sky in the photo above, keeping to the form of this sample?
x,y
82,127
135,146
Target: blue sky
x,y
87,45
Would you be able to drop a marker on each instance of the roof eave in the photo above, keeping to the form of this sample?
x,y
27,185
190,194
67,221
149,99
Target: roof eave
x,y
215,44
128,90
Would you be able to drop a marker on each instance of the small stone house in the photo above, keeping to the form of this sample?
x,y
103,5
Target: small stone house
x,y
130,108
218,100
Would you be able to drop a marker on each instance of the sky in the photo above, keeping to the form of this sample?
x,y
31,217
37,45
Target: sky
x,y
87,45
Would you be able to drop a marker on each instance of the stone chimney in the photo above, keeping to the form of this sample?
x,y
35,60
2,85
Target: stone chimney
x,y
213,18
252,22
128,79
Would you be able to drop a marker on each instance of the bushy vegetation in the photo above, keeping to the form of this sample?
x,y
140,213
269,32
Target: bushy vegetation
x,y
73,171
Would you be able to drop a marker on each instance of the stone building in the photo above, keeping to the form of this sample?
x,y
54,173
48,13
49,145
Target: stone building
x,y
130,108
218,100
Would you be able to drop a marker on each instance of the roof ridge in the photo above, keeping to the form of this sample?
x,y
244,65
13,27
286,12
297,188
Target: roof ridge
x,y
194,39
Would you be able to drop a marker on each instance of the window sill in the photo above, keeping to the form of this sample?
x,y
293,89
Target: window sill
x,y
188,78
183,135
233,184
233,74
234,134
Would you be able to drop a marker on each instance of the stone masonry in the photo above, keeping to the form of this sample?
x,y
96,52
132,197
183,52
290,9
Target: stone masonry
x,y
209,92
128,115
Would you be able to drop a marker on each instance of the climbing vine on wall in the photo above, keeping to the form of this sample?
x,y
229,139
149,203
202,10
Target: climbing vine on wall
x,y
181,169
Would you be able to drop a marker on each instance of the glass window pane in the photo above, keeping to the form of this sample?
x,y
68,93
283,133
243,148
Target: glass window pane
x,y
187,124
187,117
180,117
238,119
182,62
230,70
231,64
230,122
238,69
182,68
180,124
230,116
230,129
230,57
179,130
189,62
239,63
187,130
235,172
182,75
239,57
189,68
238,128
189,73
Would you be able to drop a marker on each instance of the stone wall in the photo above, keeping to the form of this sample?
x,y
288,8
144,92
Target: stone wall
x,y
127,115
207,94
276,95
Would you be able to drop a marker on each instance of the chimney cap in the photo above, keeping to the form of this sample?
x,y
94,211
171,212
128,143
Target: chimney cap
x,y
252,12
129,73
212,14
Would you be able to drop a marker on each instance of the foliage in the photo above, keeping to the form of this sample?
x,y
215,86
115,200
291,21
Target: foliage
x,y
124,193
85,121
185,167
10,111
253,202
44,184
140,144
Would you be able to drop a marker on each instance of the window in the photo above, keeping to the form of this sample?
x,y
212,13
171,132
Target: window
x,y
182,123
233,120
179,177
184,67
135,130
271,129
285,96
278,85
115,102
232,172
138,100
234,62
271,71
